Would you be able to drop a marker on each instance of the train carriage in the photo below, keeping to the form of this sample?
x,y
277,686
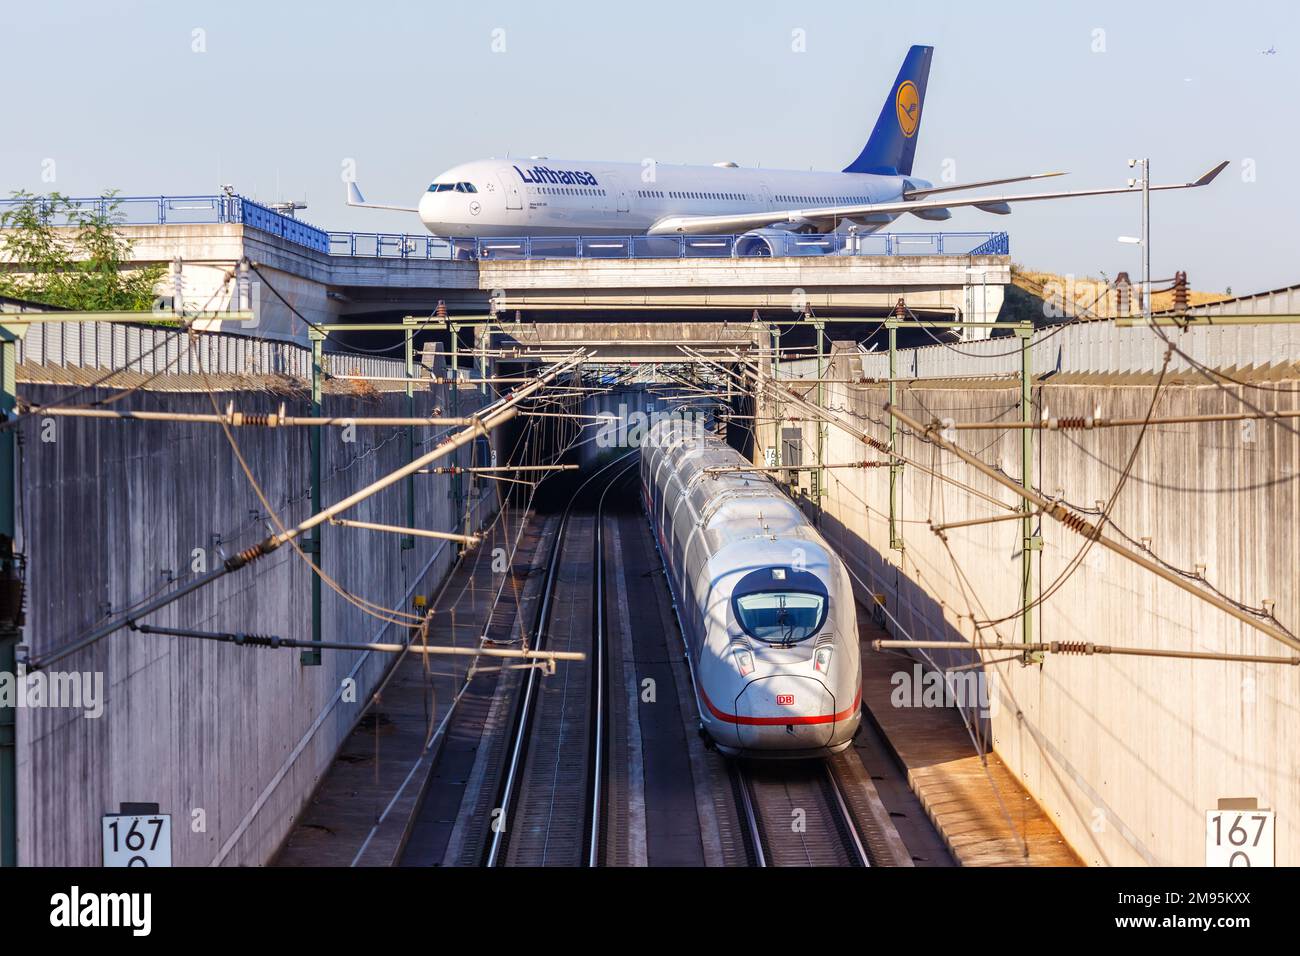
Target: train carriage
x,y
766,607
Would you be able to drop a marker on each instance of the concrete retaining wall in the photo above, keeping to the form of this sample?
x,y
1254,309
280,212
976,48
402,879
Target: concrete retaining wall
x,y
231,741
1126,754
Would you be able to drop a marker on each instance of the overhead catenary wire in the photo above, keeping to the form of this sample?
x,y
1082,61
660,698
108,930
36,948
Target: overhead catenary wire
x,y
777,387
1126,473
1082,526
254,419
1088,649
495,415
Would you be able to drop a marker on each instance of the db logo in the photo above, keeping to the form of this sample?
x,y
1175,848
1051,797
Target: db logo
x,y
785,700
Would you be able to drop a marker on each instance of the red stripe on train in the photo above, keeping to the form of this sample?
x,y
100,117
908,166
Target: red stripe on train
x,y
754,721
782,721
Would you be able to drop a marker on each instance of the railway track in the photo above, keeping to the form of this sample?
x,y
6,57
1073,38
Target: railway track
x,y
550,800
796,814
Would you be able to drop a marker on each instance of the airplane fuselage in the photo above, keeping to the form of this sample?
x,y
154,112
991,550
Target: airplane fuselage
x,y
538,196
551,197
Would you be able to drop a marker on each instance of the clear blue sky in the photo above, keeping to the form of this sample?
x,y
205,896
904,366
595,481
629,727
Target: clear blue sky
x,y
115,95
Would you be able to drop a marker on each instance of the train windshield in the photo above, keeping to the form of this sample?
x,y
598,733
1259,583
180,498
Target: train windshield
x,y
781,617
780,605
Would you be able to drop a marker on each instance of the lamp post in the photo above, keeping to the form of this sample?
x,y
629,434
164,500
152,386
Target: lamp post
x,y
1145,241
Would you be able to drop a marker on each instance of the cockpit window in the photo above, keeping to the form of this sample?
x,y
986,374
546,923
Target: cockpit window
x,y
465,188
780,605
781,617
452,187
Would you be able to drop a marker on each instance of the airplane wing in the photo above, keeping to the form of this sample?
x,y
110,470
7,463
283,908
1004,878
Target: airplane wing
x,y
829,215
933,190
356,199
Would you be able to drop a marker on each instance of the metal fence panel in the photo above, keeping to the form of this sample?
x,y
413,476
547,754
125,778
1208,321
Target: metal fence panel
x,y
155,350
1101,348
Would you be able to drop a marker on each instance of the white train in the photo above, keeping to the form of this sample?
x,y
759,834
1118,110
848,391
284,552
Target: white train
x,y
766,607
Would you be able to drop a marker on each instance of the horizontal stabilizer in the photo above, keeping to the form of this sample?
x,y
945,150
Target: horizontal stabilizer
x,y
1209,177
356,199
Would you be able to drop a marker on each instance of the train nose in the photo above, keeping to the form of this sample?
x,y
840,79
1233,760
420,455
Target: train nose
x,y
785,712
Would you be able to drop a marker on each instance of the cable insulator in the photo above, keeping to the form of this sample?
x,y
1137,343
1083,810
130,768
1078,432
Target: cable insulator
x,y
1079,524
1070,647
1180,292
1071,422
260,419
249,555
258,640
242,558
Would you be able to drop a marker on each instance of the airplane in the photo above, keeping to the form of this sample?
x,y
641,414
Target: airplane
x,y
541,197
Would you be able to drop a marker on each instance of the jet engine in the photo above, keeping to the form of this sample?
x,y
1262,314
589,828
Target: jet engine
x,y
783,242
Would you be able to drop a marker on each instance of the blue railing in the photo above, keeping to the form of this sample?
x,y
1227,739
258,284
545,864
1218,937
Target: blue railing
x,y
397,246
390,245
188,210
161,210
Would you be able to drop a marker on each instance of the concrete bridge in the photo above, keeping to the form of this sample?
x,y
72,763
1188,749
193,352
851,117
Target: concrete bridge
x,y
332,277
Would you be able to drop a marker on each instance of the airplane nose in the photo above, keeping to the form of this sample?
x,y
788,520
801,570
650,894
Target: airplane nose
x,y
428,211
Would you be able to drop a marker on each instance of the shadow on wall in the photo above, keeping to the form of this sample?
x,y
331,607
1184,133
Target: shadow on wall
x,y
910,613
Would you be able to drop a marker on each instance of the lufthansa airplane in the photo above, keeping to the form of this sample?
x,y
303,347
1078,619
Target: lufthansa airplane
x,y
542,196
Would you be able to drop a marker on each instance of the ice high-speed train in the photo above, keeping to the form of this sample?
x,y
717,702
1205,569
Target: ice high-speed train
x,y
766,607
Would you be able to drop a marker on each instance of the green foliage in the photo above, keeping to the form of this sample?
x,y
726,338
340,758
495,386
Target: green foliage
x,y
56,252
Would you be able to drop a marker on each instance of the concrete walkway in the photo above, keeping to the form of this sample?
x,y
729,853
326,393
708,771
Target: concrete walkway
x,y
984,815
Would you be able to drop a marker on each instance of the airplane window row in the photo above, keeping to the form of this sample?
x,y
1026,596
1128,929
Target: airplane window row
x,y
660,194
452,187
569,191
824,200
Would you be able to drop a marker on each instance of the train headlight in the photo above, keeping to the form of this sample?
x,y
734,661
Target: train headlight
x,y
744,661
822,660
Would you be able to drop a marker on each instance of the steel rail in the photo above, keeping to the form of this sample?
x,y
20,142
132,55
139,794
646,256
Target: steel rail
x,y
835,803
751,817
523,721
850,825
598,641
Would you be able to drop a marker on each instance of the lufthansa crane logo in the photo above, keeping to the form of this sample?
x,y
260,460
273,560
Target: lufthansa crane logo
x,y
908,103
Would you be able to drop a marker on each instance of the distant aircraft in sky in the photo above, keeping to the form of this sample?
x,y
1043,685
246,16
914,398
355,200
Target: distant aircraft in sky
x,y
541,196
1271,51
